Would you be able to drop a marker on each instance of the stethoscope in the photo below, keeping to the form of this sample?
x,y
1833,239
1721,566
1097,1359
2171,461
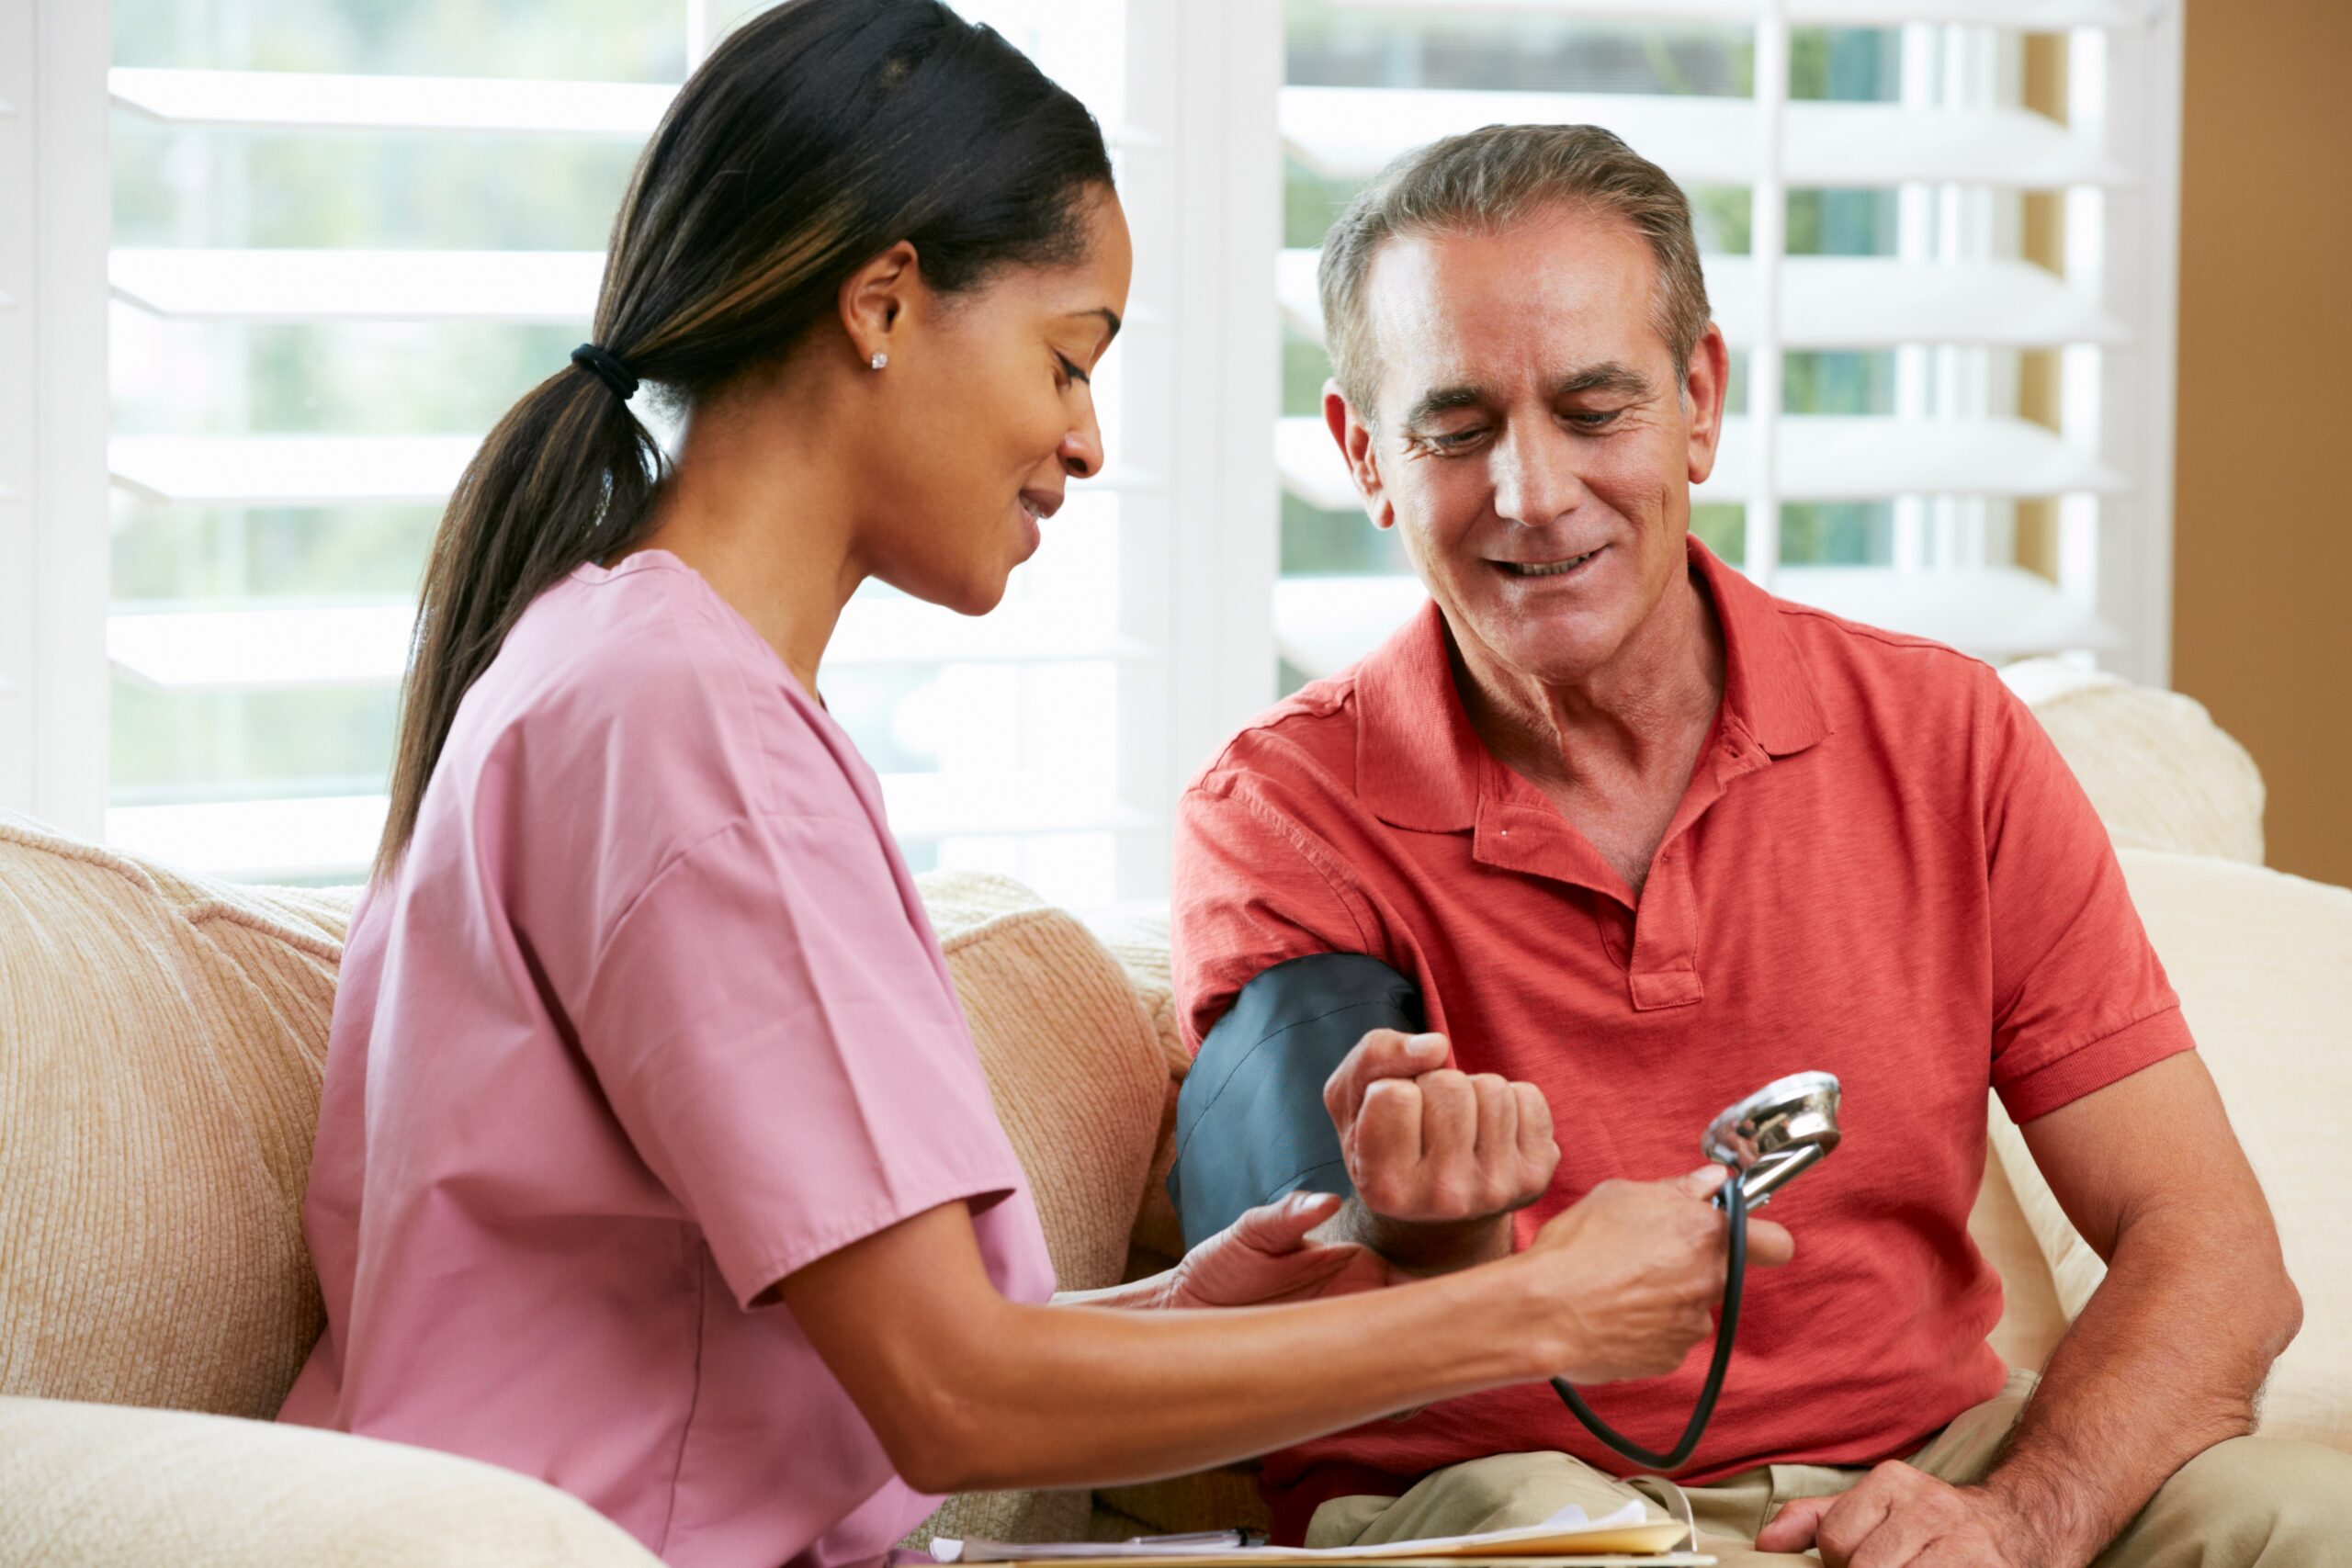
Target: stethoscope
x,y
1766,1140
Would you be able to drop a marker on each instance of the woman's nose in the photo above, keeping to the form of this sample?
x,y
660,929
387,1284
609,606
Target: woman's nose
x,y
1081,450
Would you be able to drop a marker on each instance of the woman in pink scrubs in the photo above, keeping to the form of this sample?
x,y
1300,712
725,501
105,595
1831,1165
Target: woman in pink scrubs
x,y
654,1159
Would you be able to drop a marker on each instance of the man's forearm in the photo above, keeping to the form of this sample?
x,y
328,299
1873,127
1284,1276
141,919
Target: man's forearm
x,y
2163,1364
1417,1247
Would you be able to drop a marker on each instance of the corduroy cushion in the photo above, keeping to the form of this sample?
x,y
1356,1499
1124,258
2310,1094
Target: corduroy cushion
x,y
1075,1066
1072,1056
2161,773
2262,963
161,1038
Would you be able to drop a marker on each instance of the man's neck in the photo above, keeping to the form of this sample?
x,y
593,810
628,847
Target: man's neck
x,y
1613,749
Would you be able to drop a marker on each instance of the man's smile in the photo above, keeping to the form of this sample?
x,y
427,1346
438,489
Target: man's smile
x,y
1550,567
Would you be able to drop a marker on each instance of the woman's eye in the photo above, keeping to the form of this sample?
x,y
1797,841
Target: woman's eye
x,y
1073,373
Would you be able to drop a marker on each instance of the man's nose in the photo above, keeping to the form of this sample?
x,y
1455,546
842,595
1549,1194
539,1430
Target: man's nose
x,y
1081,450
1537,475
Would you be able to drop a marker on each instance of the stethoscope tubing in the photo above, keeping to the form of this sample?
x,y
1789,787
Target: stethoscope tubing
x,y
1731,1199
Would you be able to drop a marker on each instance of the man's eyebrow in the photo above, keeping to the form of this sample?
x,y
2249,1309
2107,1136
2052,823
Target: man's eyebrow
x,y
1606,376
1609,377
1445,400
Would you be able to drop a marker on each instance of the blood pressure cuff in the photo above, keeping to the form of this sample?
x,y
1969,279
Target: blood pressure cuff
x,y
1251,1126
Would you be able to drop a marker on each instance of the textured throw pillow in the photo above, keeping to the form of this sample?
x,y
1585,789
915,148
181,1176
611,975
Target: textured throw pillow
x,y
161,1039
1075,1068
2161,774
2262,963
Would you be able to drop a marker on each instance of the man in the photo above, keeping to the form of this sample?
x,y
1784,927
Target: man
x,y
1638,838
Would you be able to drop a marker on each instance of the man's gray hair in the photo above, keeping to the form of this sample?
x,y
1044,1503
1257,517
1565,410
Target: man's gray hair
x,y
1482,181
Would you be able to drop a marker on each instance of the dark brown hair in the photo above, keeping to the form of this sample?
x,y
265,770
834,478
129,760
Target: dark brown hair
x,y
815,137
1483,181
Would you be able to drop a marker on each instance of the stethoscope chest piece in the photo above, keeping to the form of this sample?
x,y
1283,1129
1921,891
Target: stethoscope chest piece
x,y
1775,1132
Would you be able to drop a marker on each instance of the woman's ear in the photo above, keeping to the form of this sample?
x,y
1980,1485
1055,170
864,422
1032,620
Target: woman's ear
x,y
875,298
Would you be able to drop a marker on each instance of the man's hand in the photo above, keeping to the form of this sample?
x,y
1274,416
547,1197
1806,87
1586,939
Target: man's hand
x,y
1897,1516
1427,1144
1641,1267
1264,1256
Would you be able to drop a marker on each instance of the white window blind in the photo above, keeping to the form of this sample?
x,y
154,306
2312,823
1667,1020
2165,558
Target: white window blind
x,y
52,411
347,239
1939,235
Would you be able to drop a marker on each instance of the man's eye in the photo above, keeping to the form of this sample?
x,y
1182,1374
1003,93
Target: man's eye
x,y
1450,440
1594,419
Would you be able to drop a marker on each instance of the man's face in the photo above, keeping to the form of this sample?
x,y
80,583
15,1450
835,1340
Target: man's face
x,y
1530,439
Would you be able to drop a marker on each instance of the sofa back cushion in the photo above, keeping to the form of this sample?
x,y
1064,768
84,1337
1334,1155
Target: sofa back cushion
x,y
2162,774
1072,1057
2262,963
161,1038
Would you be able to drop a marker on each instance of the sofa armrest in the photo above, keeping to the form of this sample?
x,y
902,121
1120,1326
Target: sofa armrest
x,y
97,1486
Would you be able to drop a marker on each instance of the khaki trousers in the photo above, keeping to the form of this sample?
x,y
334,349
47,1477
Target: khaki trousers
x,y
2250,1500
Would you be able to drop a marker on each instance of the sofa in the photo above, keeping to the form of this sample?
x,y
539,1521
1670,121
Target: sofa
x,y
162,1036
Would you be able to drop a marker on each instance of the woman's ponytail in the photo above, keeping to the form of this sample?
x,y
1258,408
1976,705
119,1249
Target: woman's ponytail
x,y
819,134
566,477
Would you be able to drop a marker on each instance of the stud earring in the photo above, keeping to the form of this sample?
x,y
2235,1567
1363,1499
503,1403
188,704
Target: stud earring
x,y
879,359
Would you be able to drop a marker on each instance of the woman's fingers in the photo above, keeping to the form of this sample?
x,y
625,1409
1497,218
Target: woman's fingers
x,y
1282,1226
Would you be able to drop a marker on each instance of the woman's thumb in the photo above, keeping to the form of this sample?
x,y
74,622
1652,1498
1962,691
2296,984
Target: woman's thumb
x,y
1282,1225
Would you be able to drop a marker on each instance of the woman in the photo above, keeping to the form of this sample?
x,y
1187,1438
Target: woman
x,y
653,1157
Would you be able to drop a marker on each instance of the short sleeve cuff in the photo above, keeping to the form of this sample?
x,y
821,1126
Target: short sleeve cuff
x,y
750,1267
2092,1067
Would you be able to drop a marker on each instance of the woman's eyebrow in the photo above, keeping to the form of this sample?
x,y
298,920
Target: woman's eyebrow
x,y
1110,319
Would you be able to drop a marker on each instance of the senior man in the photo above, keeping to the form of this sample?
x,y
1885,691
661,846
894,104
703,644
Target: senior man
x,y
1629,837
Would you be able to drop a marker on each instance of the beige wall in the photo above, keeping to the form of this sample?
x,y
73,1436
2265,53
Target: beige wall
x,y
2262,595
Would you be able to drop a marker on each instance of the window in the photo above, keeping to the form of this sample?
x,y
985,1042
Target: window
x,y
345,237
1937,234
324,243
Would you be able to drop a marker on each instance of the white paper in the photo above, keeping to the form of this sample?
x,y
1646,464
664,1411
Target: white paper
x,y
1572,1517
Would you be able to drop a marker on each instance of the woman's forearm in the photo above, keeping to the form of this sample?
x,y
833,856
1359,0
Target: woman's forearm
x,y
1079,1394
969,1390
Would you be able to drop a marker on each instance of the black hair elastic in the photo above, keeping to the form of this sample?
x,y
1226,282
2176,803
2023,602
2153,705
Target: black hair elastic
x,y
608,368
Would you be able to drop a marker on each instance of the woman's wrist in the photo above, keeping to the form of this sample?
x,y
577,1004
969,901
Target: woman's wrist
x,y
1149,1295
1546,1334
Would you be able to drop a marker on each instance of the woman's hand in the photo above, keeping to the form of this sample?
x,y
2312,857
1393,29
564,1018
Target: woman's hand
x,y
1636,1269
1264,1256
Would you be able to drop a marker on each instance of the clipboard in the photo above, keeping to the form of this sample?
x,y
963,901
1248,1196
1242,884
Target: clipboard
x,y
1628,1537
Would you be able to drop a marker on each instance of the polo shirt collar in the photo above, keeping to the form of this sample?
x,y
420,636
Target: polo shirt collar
x,y
1421,765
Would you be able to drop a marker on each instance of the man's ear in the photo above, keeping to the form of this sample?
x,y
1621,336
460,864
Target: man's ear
x,y
1704,385
1362,454
875,298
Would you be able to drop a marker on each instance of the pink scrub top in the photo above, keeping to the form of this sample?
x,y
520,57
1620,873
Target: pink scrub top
x,y
648,1017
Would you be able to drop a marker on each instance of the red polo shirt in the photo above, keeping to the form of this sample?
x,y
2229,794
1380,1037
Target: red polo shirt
x,y
1881,869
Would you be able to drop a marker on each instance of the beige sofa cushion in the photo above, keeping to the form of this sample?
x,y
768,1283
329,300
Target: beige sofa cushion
x,y
98,1486
1072,1060
2262,963
161,1037
2161,774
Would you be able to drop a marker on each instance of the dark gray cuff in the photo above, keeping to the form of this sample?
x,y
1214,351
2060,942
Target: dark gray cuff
x,y
1251,1125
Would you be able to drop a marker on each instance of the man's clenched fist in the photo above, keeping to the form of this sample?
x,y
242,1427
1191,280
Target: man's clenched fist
x,y
1427,1143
